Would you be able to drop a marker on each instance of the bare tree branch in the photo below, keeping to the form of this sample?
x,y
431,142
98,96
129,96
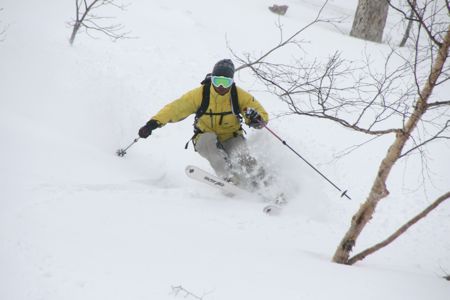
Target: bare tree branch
x,y
418,16
372,101
327,95
437,136
438,103
352,148
400,231
90,22
408,27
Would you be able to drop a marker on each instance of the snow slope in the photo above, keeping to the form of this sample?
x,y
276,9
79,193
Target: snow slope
x,y
77,222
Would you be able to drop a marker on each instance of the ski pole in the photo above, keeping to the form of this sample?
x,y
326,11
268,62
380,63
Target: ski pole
x,y
344,193
122,152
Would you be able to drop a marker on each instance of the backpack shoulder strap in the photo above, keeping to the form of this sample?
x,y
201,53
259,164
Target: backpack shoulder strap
x,y
203,106
205,96
235,102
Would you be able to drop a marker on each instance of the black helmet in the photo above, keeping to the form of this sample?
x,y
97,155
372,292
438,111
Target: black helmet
x,y
224,67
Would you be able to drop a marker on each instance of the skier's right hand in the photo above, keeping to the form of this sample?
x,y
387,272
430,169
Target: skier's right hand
x,y
146,130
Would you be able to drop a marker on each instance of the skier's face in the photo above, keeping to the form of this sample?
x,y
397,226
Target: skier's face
x,y
221,90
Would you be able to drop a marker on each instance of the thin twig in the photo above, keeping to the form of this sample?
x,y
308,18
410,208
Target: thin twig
x,y
186,293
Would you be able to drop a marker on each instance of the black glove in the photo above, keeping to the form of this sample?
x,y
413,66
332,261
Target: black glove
x,y
146,130
254,117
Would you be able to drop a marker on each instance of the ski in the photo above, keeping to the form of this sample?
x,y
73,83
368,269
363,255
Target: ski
x,y
230,189
200,175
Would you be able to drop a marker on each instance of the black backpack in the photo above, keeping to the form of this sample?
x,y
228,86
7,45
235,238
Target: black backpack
x,y
235,109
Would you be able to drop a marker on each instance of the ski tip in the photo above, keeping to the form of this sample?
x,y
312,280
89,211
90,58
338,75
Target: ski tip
x,y
190,169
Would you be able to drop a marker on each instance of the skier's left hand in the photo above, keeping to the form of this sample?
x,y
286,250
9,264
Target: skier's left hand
x,y
254,117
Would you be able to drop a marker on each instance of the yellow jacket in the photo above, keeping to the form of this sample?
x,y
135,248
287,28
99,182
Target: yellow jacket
x,y
224,126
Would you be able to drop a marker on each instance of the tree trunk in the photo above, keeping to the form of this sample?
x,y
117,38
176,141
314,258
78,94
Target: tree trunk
x,y
379,190
370,19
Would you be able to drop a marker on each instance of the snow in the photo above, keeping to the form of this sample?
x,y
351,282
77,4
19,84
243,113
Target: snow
x,y
78,222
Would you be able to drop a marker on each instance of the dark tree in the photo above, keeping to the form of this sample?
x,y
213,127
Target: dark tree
x,y
370,19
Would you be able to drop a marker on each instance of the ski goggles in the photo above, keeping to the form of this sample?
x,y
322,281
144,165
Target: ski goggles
x,y
225,82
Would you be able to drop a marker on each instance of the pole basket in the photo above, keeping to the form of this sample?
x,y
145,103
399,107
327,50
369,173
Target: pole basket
x,y
121,152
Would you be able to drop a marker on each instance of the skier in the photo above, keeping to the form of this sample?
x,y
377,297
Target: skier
x,y
218,134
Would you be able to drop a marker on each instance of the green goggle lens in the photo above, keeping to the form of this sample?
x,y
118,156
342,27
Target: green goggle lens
x,y
225,82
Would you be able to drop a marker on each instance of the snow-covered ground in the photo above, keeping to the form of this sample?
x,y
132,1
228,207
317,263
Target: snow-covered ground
x,y
78,222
